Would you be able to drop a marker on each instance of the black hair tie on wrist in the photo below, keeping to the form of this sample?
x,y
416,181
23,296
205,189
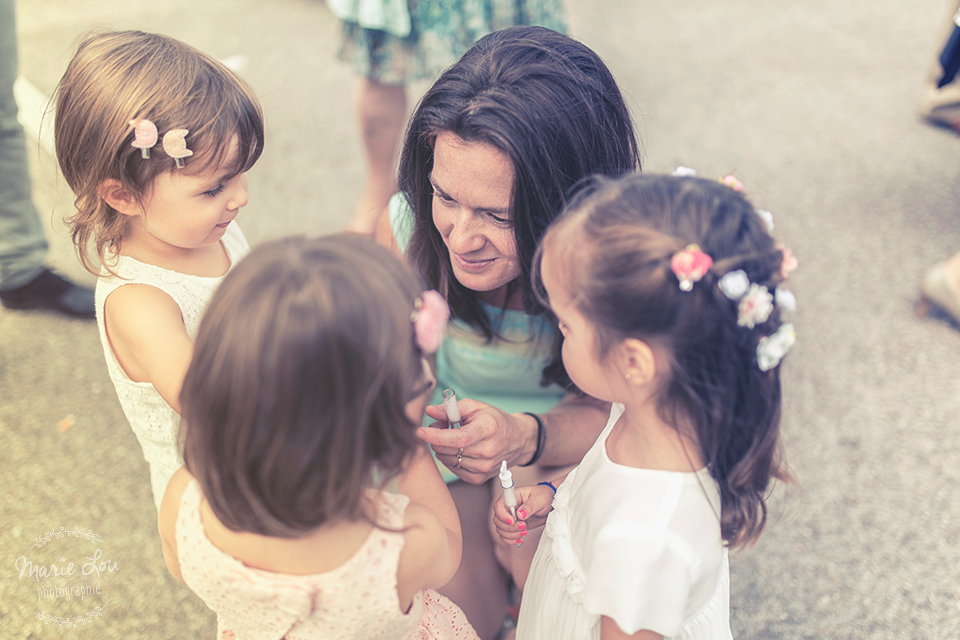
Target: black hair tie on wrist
x,y
541,439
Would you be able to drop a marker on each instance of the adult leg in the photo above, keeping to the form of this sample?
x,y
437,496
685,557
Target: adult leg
x,y
23,246
480,585
382,111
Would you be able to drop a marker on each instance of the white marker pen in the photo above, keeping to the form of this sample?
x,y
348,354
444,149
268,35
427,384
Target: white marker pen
x,y
506,483
453,411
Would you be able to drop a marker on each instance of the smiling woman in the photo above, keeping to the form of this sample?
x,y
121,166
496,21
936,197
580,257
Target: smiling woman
x,y
489,156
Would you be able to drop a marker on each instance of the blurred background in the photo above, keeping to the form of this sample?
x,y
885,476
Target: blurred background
x,y
812,104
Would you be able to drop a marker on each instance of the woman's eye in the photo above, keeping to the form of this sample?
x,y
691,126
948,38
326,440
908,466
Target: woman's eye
x,y
442,196
504,222
217,190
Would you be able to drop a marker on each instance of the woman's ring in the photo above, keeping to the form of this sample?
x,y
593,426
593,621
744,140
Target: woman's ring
x,y
460,458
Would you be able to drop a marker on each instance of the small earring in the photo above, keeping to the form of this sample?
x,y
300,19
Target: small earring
x,y
628,376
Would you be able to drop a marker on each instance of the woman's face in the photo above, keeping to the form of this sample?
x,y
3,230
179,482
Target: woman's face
x,y
473,211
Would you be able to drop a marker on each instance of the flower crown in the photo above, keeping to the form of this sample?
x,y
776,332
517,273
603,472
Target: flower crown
x,y
429,318
755,303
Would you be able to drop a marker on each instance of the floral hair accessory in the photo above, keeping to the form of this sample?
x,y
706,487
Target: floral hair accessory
x,y
767,218
685,172
789,263
785,299
144,136
755,306
429,318
734,284
175,144
772,349
733,183
690,265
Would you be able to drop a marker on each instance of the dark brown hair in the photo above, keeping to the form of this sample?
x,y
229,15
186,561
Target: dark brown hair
x,y
552,107
294,400
113,81
617,238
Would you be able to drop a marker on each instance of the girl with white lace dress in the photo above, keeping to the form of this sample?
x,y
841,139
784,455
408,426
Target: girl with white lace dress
x,y
154,138
664,288
300,406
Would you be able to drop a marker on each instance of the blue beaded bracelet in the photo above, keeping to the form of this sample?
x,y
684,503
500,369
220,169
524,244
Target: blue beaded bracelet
x,y
549,484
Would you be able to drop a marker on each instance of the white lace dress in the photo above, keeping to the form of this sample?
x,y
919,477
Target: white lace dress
x,y
154,422
640,546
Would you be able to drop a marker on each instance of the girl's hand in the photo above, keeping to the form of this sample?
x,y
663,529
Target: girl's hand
x,y
534,503
487,437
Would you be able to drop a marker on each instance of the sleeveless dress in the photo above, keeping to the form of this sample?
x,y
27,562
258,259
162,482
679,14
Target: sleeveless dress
x,y
357,600
153,421
640,546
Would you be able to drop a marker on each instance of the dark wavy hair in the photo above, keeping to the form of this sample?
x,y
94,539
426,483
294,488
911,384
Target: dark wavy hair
x,y
616,239
549,104
294,400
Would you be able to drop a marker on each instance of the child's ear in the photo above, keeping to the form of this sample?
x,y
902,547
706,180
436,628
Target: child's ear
x,y
119,198
640,361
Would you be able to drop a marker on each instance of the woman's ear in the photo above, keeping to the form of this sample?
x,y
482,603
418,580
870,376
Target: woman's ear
x,y
639,360
119,198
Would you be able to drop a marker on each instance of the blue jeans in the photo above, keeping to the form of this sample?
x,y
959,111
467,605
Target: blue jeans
x,y
23,246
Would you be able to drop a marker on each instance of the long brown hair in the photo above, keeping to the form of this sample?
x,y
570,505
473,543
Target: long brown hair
x,y
294,400
119,77
617,238
551,105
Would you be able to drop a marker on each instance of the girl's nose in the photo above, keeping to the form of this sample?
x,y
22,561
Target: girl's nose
x,y
238,196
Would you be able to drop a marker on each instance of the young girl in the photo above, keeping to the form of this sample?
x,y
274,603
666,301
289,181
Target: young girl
x,y
307,384
154,138
663,287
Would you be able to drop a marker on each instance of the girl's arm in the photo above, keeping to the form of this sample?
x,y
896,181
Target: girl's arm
x,y
146,332
434,542
610,630
489,435
167,521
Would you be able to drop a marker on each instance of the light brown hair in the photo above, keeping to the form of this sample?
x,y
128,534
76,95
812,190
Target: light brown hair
x,y
119,77
294,400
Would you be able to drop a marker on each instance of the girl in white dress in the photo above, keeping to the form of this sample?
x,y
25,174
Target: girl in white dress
x,y
664,288
154,138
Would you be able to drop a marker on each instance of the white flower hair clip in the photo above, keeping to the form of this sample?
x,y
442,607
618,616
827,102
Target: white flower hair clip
x,y
755,303
772,349
429,318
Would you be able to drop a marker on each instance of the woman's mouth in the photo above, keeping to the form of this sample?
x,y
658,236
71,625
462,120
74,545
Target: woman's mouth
x,y
472,265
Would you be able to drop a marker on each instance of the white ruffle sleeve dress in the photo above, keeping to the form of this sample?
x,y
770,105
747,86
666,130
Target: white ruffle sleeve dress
x,y
640,546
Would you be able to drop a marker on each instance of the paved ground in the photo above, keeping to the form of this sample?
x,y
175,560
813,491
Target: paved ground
x,y
811,103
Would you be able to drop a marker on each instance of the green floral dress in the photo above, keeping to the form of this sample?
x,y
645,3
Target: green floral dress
x,y
440,31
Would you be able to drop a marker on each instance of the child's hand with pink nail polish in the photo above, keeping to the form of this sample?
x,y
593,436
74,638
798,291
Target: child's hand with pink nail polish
x,y
534,503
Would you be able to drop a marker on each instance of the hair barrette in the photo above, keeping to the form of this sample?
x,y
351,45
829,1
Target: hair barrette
x,y
772,349
732,182
690,265
145,137
429,318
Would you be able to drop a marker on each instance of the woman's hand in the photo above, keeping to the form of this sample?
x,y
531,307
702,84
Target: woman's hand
x,y
534,503
487,437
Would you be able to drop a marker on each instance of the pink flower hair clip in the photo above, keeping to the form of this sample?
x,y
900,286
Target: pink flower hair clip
x,y
429,318
733,183
145,136
690,265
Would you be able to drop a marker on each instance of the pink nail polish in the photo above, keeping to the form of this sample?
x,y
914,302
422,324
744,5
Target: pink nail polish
x,y
522,514
509,521
520,542
523,533
521,526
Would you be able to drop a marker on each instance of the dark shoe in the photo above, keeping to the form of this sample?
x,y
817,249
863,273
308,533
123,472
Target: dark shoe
x,y
50,291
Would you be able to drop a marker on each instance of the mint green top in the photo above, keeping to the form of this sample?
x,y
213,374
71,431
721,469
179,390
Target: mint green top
x,y
504,372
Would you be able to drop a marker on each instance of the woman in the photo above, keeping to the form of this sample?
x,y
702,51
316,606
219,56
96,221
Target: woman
x,y
489,157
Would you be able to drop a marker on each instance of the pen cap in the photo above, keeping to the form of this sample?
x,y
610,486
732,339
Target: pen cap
x,y
506,477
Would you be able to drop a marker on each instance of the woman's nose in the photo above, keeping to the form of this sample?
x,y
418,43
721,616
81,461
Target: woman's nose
x,y
465,234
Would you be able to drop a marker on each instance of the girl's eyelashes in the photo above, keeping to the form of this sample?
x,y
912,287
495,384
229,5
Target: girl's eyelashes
x,y
442,196
217,190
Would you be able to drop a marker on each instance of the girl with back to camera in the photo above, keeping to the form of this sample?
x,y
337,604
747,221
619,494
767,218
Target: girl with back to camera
x,y
664,288
302,400
154,138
